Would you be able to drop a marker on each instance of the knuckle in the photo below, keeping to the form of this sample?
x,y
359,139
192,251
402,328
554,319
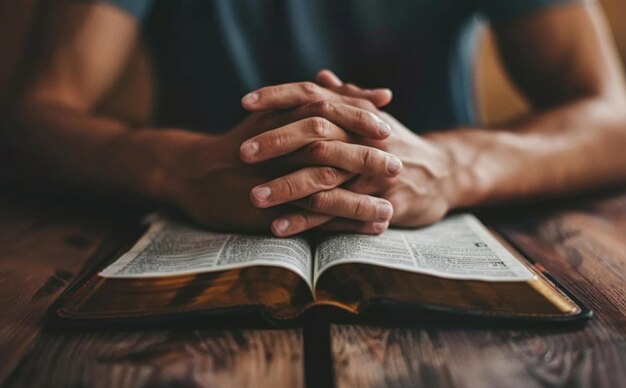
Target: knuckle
x,y
318,126
320,151
319,201
278,140
323,107
361,207
328,176
368,157
288,188
272,92
310,89
269,91
363,116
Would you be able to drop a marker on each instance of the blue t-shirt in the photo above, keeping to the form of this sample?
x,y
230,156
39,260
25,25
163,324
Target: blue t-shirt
x,y
209,53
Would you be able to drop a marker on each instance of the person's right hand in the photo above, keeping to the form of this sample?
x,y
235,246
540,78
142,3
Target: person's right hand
x,y
205,177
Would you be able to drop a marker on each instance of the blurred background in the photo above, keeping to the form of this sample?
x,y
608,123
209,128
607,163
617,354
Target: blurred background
x,y
498,99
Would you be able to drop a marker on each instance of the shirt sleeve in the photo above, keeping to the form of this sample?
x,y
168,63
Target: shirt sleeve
x,y
502,10
139,9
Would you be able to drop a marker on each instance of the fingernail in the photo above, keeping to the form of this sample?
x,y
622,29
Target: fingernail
x,y
250,149
250,98
384,129
281,225
384,211
262,193
393,164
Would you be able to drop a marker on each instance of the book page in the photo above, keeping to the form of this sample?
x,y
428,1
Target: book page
x,y
458,247
170,248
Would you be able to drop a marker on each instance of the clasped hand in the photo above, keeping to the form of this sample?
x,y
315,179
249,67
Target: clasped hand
x,y
320,155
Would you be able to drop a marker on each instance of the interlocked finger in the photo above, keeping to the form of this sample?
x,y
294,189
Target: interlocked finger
x,y
297,185
343,203
354,158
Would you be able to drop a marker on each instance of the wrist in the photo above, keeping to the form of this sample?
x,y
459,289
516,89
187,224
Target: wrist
x,y
466,184
174,157
148,174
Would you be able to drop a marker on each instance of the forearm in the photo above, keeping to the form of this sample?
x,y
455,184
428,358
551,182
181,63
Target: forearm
x,y
575,147
81,149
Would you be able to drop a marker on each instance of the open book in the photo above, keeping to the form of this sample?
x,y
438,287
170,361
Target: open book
x,y
456,265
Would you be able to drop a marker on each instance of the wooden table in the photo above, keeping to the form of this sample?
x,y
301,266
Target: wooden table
x,y
582,242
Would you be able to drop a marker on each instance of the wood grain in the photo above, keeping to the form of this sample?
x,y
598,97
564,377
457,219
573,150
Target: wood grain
x,y
41,250
180,358
584,246
43,246
446,356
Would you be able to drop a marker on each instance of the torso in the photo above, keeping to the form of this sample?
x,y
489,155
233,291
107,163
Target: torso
x,y
211,52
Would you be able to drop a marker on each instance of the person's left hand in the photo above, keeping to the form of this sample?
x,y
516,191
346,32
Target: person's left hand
x,y
421,194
